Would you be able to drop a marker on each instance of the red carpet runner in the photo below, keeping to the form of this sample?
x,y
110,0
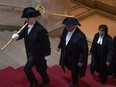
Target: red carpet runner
x,y
10,77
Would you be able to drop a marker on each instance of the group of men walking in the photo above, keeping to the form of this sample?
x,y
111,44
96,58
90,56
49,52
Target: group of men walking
x,y
74,49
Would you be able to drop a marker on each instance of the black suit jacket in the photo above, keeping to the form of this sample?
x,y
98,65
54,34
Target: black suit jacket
x,y
37,42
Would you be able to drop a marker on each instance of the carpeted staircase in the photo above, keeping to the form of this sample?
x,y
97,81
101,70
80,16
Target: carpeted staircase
x,y
10,77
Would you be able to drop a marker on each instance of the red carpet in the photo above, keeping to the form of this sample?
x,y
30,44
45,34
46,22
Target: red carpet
x,y
10,77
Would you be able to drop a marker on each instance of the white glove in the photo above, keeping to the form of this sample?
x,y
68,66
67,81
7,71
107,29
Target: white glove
x,y
46,58
15,36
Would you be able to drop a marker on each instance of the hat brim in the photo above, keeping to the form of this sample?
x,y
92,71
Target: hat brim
x,y
31,14
71,21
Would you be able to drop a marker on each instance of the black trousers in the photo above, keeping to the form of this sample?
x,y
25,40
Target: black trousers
x,y
74,70
29,73
75,73
102,69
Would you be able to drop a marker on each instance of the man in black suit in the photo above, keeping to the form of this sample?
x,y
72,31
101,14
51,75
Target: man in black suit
x,y
74,49
37,46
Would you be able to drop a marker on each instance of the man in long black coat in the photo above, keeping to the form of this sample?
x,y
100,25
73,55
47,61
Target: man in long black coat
x,y
102,52
74,49
37,46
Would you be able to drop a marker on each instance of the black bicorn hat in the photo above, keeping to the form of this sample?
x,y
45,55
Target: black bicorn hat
x,y
71,21
30,12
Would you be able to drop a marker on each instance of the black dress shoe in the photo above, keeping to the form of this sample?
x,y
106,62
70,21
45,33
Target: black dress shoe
x,y
72,85
34,84
114,75
44,83
103,82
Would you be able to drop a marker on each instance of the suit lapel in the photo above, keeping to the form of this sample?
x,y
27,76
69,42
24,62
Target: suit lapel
x,y
64,38
26,30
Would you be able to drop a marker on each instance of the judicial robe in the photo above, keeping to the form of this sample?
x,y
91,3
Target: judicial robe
x,y
75,51
101,56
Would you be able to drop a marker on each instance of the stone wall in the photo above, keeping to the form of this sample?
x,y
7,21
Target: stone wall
x,y
10,13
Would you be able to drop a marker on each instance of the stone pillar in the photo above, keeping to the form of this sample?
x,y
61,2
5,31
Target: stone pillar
x,y
52,21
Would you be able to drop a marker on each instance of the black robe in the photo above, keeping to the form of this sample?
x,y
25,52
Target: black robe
x,y
76,51
101,55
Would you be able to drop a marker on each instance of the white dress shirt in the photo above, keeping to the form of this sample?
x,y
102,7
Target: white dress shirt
x,y
100,40
68,36
30,28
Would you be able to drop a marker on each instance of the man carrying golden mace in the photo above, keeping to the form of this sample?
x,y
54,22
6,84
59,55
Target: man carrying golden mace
x,y
41,9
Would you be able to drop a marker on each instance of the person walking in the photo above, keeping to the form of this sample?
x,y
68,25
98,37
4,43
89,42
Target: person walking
x,y
37,47
74,50
102,52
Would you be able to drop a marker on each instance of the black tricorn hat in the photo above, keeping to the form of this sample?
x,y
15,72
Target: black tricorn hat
x,y
71,21
30,12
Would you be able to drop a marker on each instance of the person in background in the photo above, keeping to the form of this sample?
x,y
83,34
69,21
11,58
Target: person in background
x,y
37,47
102,52
114,58
74,50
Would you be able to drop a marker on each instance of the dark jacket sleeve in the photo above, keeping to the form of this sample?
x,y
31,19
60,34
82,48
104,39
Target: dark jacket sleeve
x,y
92,50
83,49
83,55
45,42
110,50
22,33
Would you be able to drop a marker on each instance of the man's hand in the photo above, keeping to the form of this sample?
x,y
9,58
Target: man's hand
x,y
15,36
80,64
